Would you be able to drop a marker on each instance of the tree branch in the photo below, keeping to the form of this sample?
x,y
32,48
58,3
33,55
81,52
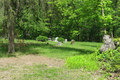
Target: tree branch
x,y
16,11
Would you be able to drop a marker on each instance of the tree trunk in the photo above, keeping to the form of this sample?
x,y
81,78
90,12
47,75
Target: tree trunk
x,y
116,6
11,47
103,14
10,25
24,34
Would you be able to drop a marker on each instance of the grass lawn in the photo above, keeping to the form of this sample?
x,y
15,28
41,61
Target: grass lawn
x,y
79,52
64,51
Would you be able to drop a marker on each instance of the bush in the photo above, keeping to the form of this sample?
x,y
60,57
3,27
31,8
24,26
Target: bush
x,y
42,38
61,40
117,41
110,60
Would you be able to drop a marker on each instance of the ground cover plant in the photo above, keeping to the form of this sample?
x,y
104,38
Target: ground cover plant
x,y
78,59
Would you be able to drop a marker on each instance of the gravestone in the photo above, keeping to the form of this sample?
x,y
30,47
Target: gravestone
x,y
72,41
60,43
56,39
65,40
49,39
108,43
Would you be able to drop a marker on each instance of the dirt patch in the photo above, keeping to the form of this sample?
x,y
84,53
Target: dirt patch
x,y
10,67
30,60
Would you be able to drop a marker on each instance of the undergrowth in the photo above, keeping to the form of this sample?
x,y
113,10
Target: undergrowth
x,y
110,60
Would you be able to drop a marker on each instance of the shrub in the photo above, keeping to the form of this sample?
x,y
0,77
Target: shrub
x,y
21,44
61,40
110,59
42,38
117,41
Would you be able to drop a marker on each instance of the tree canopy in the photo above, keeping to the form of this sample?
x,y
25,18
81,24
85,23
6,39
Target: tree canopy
x,y
82,20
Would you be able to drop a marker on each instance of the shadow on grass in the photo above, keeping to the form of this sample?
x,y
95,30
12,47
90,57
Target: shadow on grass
x,y
30,48
79,51
3,49
100,44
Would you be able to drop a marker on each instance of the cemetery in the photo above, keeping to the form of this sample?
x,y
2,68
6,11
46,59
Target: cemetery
x,y
59,40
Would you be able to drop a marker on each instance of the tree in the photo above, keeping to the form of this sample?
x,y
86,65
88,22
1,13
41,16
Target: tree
x,y
2,16
115,25
11,21
83,20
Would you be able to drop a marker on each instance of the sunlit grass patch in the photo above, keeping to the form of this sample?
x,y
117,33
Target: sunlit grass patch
x,y
83,61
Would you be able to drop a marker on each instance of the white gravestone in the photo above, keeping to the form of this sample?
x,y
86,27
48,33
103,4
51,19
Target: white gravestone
x,y
56,39
65,40
49,39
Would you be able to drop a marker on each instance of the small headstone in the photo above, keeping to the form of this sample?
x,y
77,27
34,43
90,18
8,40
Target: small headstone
x,y
60,43
72,41
49,39
65,40
108,43
56,39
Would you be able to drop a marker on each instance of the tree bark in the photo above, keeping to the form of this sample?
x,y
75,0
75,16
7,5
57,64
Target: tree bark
x,y
116,6
103,14
10,25
11,47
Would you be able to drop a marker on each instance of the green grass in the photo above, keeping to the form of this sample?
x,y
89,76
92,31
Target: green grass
x,y
77,56
4,69
52,50
42,72
83,61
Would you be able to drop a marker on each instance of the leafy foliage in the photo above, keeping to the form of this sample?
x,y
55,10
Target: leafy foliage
x,y
60,39
42,38
117,42
54,17
116,39
110,60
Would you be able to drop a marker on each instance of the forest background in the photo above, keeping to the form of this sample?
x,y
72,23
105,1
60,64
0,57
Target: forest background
x,y
82,20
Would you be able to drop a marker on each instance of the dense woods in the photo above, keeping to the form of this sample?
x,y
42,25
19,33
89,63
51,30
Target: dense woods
x,y
82,20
